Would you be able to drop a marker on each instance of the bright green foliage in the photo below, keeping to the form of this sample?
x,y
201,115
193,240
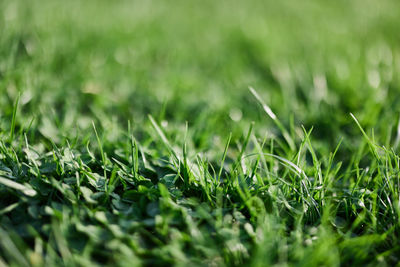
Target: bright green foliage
x,y
199,133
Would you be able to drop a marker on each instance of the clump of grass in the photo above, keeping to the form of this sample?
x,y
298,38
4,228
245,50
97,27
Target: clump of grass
x,y
122,144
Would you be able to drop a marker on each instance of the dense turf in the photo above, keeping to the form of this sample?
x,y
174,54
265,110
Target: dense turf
x,y
216,133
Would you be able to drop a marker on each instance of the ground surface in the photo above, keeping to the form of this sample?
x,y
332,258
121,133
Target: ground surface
x,y
129,135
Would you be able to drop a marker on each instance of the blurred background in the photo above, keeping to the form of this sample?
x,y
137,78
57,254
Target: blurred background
x,y
312,62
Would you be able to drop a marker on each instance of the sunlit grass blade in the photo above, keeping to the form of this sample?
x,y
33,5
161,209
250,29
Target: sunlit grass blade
x,y
274,118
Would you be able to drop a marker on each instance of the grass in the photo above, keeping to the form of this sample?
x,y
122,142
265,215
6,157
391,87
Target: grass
x,y
207,133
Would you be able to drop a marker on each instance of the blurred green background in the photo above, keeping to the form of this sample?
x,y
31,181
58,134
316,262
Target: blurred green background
x,y
313,61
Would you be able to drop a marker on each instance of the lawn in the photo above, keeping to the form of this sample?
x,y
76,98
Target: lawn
x,y
199,133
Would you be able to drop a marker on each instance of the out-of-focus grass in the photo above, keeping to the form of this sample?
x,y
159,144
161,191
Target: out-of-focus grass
x,y
193,184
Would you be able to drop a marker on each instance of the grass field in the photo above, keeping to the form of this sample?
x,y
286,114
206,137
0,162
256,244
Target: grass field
x,y
199,133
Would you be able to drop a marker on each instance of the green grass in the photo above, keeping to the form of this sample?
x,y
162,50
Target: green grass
x,y
208,133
